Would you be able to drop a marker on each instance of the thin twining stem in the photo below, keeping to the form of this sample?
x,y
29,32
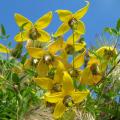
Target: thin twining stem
x,y
74,49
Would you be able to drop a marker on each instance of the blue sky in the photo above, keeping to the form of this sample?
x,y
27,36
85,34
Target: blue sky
x,y
101,13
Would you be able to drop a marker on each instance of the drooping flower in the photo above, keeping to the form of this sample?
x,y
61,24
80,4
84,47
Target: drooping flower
x,y
105,55
71,20
33,31
92,74
67,97
53,81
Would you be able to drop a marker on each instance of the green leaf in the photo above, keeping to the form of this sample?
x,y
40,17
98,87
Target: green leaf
x,y
118,25
111,31
15,78
2,30
24,58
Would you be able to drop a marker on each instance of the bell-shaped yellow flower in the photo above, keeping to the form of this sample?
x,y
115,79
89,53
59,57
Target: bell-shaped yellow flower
x,y
67,97
92,74
105,54
4,49
33,31
54,80
71,20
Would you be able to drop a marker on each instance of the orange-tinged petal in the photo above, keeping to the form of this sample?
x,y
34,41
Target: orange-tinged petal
x,y
43,82
56,45
21,20
80,13
35,52
59,109
96,79
86,77
79,60
44,36
22,36
62,29
79,96
44,21
53,97
64,15
68,86
42,69
4,49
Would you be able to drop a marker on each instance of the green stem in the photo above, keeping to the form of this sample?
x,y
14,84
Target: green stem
x,y
74,50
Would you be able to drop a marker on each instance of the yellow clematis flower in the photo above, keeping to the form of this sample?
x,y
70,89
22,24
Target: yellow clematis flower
x,y
71,20
53,82
33,31
92,74
67,97
46,59
4,49
105,54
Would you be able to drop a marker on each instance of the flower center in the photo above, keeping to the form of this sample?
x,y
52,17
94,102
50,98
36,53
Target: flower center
x,y
73,73
73,23
69,49
109,53
94,69
34,34
68,101
48,59
57,87
51,73
34,62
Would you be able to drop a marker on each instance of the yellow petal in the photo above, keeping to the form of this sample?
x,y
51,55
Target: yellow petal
x,y
59,110
96,79
21,20
79,60
42,69
58,78
68,86
22,36
79,46
44,21
80,28
44,36
80,13
53,97
56,45
4,49
64,15
62,29
43,82
35,52
70,38
79,96
85,80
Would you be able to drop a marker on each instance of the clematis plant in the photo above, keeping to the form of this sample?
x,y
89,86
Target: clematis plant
x,y
49,55
33,31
